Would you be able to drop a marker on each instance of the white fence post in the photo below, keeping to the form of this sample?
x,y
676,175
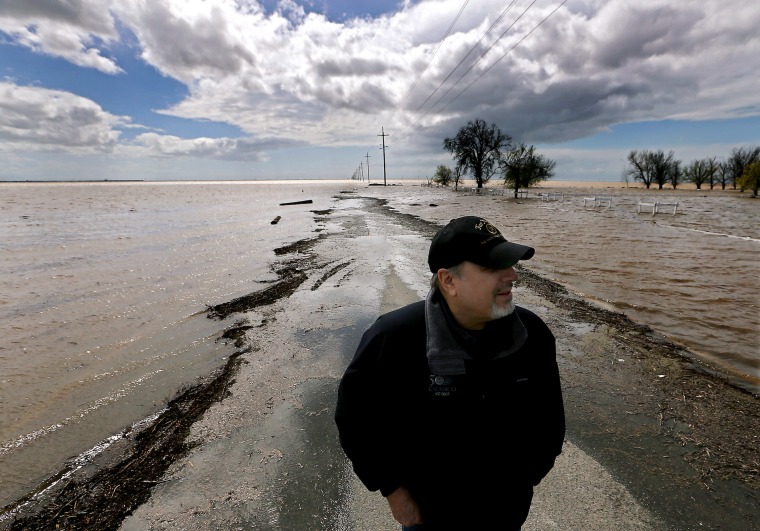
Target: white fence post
x,y
596,201
656,207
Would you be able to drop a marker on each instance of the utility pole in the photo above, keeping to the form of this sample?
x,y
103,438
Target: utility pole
x,y
367,168
361,169
385,182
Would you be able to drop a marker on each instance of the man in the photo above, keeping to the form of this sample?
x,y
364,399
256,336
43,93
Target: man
x,y
452,406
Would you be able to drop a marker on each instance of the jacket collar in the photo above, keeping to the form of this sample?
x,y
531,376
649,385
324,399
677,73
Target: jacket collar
x,y
449,345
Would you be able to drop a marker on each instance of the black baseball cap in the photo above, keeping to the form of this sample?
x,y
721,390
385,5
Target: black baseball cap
x,y
475,240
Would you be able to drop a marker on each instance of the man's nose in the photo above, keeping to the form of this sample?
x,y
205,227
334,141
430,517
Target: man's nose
x,y
508,274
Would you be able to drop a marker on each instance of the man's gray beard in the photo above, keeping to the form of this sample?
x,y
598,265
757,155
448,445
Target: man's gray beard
x,y
497,312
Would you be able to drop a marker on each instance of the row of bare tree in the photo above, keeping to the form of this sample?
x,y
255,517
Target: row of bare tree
x,y
740,170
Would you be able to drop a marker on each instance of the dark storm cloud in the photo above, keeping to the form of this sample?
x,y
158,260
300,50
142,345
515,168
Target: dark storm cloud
x,y
352,67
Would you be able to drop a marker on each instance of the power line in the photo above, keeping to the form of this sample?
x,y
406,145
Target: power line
x,y
468,54
432,55
479,58
417,121
503,13
504,55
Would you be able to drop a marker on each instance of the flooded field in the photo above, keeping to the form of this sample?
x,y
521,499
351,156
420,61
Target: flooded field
x,y
106,286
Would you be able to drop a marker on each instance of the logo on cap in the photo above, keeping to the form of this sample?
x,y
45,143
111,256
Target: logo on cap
x,y
490,228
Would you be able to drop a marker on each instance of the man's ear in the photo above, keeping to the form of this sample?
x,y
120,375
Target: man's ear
x,y
446,282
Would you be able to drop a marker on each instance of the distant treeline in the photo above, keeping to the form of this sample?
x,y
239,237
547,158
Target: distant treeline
x,y
741,170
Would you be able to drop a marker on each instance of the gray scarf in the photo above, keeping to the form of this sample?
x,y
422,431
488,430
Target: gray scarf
x,y
445,353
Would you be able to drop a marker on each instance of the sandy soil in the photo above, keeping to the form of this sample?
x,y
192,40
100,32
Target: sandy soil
x,y
654,441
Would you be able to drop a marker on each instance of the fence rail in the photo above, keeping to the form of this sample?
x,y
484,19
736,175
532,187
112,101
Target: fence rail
x,y
595,201
598,200
656,207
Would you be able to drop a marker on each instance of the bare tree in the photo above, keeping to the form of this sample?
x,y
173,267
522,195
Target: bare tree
x,y
477,149
700,171
723,174
675,173
712,171
662,166
639,167
653,167
458,176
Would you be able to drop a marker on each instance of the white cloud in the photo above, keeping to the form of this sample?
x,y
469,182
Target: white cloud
x,y
241,149
578,73
191,40
63,28
303,79
39,119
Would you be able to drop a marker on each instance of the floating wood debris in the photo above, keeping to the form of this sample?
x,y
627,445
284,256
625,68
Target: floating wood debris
x,y
304,202
275,220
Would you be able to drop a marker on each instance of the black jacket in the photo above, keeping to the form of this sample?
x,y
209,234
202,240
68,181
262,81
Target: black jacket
x,y
469,447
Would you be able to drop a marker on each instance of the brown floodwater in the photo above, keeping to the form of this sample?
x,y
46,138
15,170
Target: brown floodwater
x,y
691,275
105,286
104,292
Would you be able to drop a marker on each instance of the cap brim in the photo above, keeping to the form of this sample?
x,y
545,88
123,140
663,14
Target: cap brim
x,y
507,254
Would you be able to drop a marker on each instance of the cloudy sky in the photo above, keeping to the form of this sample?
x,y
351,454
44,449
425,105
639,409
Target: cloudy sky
x,y
299,89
